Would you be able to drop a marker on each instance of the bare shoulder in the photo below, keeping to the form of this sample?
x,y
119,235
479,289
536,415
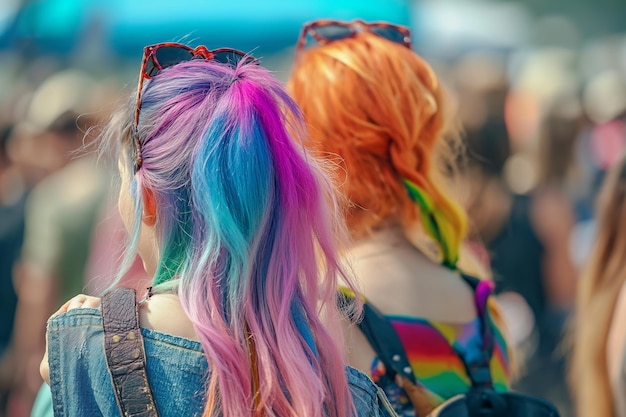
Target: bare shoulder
x,y
163,313
412,285
359,352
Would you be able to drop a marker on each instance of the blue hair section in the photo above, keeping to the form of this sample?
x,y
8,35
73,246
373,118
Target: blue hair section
x,y
230,178
302,324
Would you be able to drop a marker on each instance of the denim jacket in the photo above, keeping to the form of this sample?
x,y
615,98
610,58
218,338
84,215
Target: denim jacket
x,y
80,383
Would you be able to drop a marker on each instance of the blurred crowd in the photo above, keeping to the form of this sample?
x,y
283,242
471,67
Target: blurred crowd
x,y
539,128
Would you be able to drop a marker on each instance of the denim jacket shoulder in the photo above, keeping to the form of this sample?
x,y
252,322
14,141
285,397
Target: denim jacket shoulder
x,y
177,370
80,382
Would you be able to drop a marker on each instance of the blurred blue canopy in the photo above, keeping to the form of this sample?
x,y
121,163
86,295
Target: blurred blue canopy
x,y
125,26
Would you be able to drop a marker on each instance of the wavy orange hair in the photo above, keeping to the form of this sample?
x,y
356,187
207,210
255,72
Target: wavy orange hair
x,y
380,108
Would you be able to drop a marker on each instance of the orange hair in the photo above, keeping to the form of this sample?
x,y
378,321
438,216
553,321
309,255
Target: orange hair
x,y
380,108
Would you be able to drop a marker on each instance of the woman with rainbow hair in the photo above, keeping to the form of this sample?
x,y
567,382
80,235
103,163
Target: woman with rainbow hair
x,y
376,111
239,229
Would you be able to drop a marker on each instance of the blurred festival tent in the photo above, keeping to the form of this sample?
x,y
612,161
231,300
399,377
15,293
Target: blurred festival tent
x,y
123,27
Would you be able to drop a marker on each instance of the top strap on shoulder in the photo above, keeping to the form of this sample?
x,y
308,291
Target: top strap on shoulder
x,y
125,355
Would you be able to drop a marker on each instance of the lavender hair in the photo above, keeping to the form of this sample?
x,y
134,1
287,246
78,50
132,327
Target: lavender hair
x,y
249,223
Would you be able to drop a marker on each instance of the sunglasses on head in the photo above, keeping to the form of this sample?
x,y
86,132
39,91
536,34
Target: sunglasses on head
x,y
164,55
325,31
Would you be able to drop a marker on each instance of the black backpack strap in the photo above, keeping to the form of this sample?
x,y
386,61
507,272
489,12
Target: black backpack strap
x,y
384,340
125,355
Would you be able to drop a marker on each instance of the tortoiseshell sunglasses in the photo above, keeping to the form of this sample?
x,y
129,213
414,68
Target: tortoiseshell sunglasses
x,y
164,55
324,31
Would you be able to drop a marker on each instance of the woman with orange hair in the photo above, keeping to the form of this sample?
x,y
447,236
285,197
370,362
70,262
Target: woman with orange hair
x,y
376,112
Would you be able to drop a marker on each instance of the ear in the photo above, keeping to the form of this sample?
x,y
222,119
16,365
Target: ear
x,y
148,216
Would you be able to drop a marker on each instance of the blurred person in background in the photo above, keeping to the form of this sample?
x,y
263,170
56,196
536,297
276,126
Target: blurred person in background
x,y
12,200
377,113
527,239
60,215
21,168
13,193
599,357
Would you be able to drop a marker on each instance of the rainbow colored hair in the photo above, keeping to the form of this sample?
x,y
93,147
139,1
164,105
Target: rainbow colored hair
x,y
249,223
379,107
